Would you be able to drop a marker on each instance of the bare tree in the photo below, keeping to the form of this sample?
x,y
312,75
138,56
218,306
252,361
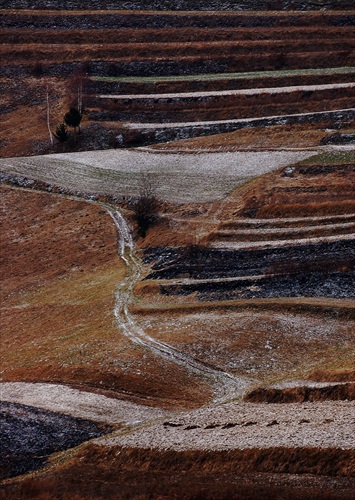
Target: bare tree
x,y
147,205
75,88
48,115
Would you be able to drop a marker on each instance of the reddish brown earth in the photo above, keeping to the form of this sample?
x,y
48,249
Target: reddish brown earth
x,y
61,283
314,189
60,269
96,472
187,51
300,394
60,274
119,43
277,136
24,118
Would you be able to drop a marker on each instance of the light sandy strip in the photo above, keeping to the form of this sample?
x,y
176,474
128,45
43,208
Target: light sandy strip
x,y
196,178
234,279
233,245
290,230
306,383
292,219
80,404
319,425
212,93
281,118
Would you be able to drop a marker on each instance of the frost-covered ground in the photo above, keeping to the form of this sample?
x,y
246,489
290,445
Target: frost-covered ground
x,y
257,91
230,426
79,404
199,177
276,119
248,425
260,346
236,245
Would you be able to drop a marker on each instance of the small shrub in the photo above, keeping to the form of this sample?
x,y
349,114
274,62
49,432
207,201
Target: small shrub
x,y
147,205
61,133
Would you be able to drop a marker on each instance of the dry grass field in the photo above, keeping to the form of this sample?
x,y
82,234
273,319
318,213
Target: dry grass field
x,y
117,52
60,272
60,296
216,353
185,178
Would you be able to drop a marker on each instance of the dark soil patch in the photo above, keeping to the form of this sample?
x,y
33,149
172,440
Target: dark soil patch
x,y
206,263
30,435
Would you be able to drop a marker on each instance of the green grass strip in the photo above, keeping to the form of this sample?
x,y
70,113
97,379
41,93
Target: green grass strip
x,y
330,158
225,76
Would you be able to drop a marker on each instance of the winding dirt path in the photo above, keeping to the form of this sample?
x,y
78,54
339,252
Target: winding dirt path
x,y
226,385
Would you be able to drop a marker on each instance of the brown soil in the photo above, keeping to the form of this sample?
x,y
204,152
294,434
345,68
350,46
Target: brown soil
x,y
202,41
164,35
34,245
240,341
240,461
277,136
24,117
99,472
210,108
62,286
337,376
301,394
60,269
304,194
118,52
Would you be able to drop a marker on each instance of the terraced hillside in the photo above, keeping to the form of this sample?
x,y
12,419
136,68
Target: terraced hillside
x,y
217,303
114,43
246,245
212,357
174,67
184,4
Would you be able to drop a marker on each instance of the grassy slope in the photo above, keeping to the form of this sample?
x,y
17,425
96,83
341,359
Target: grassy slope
x,y
247,326
57,307
224,76
79,346
59,326
312,194
238,341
